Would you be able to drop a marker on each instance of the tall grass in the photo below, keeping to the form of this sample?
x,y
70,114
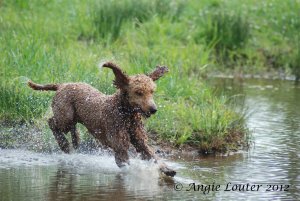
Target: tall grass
x,y
63,41
203,121
15,104
225,32
294,61
110,17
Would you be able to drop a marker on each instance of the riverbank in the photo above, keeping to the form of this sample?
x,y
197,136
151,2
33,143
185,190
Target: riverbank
x,y
36,136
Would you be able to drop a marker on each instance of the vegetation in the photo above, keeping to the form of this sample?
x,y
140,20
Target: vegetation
x,y
62,41
227,33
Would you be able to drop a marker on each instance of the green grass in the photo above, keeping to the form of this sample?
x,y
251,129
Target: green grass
x,y
227,33
17,105
63,41
111,17
294,62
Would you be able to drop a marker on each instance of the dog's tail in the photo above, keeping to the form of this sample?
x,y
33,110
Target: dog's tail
x,y
46,87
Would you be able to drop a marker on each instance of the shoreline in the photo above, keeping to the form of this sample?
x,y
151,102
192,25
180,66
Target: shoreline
x,y
166,149
33,138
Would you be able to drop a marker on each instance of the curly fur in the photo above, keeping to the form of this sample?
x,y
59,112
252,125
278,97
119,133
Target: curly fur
x,y
115,120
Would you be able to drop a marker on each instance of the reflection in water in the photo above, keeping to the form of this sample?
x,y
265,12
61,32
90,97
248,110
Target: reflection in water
x,y
275,121
68,185
77,177
274,159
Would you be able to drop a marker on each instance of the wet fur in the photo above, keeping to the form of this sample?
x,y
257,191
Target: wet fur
x,y
115,120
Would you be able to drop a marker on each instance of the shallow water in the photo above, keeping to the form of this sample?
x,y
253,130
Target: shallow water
x,y
274,159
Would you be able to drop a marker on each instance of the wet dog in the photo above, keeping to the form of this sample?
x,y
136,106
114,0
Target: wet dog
x,y
115,120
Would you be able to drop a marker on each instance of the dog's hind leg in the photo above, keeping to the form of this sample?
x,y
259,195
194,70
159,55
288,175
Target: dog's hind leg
x,y
59,136
120,147
63,120
75,137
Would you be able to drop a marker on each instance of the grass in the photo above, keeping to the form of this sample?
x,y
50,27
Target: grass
x,y
254,36
227,33
110,17
63,41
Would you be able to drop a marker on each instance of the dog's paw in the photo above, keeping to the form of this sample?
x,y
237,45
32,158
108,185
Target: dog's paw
x,y
167,171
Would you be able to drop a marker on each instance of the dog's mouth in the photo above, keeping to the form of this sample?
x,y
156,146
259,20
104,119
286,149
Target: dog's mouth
x,y
143,113
146,114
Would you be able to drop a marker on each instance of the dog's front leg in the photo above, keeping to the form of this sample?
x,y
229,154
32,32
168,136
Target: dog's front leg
x,y
121,157
138,138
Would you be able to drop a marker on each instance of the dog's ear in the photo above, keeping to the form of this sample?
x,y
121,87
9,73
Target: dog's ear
x,y
158,72
121,79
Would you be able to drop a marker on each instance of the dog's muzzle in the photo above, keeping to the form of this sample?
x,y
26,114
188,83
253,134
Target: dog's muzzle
x,y
147,114
153,110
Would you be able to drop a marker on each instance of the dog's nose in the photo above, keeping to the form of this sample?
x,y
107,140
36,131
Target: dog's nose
x,y
153,110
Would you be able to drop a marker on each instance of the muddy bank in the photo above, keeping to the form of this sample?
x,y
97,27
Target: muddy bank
x,y
28,136
235,142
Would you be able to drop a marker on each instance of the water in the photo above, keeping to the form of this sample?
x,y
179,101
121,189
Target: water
x,y
274,160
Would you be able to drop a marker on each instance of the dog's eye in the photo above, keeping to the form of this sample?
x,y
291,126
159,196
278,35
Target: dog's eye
x,y
139,93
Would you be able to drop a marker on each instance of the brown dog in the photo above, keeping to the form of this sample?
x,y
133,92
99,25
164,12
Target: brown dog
x,y
115,120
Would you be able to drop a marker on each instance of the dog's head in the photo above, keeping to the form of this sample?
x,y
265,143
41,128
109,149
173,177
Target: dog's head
x,y
139,88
